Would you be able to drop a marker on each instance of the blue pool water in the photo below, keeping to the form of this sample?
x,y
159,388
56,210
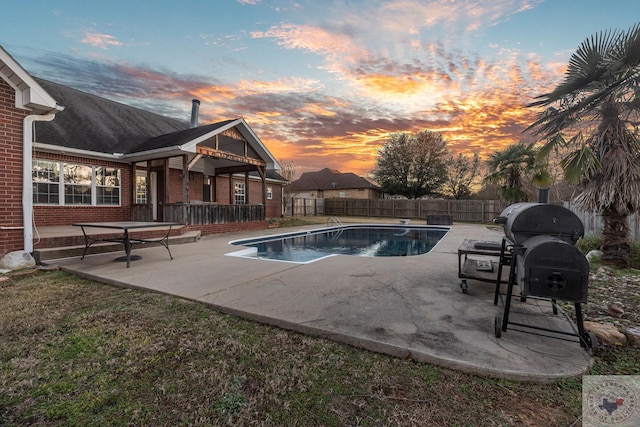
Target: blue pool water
x,y
358,240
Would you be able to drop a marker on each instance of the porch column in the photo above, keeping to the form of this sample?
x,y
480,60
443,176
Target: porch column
x,y
134,176
231,190
148,184
214,188
262,173
185,179
246,188
167,180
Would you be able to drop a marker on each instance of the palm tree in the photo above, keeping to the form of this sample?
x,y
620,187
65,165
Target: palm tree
x,y
511,166
595,111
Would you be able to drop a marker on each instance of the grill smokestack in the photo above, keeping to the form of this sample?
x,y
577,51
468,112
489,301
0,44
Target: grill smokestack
x,y
195,110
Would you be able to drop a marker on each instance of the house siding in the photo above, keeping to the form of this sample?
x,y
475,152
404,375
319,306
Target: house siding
x,y
351,193
348,193
11,135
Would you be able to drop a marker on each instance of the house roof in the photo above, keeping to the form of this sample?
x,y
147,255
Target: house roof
x,y
97,124
91,125
330,179
29,94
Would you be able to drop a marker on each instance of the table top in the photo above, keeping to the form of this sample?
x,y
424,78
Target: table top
x,y
480,247
125,225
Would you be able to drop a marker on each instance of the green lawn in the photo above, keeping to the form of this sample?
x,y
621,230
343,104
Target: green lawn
x,y
80,353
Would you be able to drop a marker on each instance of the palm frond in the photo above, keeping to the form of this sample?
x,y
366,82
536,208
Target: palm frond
x,y
552,143
625,54
580,163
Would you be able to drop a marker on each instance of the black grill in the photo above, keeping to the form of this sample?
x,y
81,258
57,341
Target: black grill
x,y
552,268
539,247
524,220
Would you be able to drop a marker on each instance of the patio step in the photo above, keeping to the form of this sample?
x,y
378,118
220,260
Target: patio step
x,y
47,254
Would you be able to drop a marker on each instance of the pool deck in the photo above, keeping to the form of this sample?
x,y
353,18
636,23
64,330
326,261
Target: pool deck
x,y
408,307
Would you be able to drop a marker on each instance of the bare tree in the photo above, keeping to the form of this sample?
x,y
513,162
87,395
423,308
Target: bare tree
x,y
462,173
288,172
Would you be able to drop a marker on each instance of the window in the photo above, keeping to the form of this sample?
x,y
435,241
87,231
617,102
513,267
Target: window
x,y
46,182
342,194
78,184
269,193
239,193
141,188
107,186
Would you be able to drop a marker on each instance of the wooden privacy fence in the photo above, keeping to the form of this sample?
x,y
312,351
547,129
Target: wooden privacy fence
x,y
305,207
479,211
482,211
593,223
201,213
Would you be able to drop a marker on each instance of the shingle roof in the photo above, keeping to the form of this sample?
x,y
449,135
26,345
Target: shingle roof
x,y
89,122
98,125
330,179
178,137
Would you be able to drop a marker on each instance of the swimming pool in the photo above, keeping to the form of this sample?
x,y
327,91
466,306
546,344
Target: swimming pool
x,y
357,240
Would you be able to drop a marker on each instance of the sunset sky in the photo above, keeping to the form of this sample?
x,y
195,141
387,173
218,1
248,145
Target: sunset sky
x,y
321,82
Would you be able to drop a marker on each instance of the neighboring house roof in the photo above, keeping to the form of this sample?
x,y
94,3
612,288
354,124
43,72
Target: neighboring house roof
x,y
330,179
94,126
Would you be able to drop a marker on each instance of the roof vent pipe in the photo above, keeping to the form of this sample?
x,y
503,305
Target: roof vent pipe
x,y
195,107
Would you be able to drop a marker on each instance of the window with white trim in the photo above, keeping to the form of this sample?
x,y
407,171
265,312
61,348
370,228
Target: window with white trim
x,y
269,193
239,193
141,187
46,182
78,184
107,185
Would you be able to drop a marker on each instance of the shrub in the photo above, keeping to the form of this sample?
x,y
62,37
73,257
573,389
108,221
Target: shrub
x,y
589,243
594,242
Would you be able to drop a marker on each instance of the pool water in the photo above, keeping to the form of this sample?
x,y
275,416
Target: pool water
x,y
357,240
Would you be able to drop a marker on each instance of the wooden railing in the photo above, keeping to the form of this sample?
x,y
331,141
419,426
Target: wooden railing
x,y
201,213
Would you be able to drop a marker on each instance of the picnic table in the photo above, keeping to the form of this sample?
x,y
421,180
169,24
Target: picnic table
x,y
126,239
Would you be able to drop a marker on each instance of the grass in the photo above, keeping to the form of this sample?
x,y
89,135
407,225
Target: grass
x,y
75,352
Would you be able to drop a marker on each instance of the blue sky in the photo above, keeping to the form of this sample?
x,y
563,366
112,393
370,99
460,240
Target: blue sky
x,y
322,82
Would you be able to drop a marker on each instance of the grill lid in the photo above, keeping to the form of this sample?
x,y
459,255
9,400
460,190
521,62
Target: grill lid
x,y
524,220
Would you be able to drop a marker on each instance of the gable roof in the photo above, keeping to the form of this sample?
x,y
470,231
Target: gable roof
x,y
94,126
330,179
29,94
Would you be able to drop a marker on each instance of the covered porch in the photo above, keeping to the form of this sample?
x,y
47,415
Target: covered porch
x,y
215,174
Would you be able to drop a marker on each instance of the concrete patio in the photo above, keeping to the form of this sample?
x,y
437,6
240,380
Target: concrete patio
x,y
409,307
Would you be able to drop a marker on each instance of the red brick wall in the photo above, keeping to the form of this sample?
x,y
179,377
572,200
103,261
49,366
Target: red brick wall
x,y
274,206
11,133
196,180
231,227
46,215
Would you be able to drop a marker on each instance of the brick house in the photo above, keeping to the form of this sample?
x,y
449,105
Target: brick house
x,y
70,156
330,183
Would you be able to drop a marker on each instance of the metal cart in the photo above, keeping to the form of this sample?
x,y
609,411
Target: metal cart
x,y
483,267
